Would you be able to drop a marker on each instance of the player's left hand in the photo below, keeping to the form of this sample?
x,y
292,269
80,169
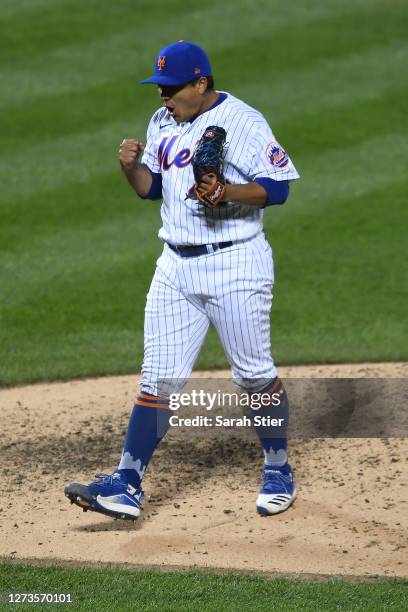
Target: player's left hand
x,y
205,184
210,190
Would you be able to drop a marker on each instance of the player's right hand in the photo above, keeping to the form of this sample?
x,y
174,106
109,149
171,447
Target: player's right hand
x,y
130,152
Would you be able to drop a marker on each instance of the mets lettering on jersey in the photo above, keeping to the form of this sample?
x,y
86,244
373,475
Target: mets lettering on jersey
x,y
169,149
182,159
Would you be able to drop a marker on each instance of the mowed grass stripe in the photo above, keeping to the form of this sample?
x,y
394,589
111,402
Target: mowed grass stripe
x,y
69,114
78,327
79,159
53,25
69,233
64,354
354,170
55,262
337,297
63,161
330,83
93,233
347,79
76,206
347,125
73,67
12,12
321,41
56,161
70,67
83,323
115,246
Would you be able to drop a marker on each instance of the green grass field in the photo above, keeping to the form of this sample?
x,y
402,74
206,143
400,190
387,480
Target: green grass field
x,y
113,589
77,246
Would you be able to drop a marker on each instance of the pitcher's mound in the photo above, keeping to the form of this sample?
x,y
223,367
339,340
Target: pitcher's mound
x,y
350,517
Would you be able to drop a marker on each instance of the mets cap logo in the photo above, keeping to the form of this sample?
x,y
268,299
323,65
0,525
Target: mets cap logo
x,y
276,155
161,61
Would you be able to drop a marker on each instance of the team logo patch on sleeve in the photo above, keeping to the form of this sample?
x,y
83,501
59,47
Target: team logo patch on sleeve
x,y
276,155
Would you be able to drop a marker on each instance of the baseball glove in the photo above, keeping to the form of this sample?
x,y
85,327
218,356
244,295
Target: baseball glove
x,y
208,160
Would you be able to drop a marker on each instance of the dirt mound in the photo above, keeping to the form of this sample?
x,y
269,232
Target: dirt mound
x,y
350,517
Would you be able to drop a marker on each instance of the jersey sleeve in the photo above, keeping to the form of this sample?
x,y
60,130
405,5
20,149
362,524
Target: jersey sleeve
x,y
150,157
267,158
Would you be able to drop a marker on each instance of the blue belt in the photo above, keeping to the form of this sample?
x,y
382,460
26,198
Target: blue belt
x,y
201,249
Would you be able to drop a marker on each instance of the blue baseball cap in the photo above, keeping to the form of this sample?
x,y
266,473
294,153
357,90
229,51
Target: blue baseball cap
x,y
179,63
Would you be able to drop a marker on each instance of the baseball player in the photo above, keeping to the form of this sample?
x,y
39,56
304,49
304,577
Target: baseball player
x,y
216,266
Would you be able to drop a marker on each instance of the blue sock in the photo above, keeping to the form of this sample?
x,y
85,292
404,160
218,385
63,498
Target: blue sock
x,y
148,424
273,438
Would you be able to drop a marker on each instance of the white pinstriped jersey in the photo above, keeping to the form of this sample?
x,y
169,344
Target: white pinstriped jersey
x,y
251,152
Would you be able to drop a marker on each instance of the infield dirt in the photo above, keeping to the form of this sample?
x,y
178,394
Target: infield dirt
x,y
350,518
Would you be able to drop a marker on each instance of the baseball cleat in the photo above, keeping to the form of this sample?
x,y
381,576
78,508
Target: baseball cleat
x,y
278,490
109,495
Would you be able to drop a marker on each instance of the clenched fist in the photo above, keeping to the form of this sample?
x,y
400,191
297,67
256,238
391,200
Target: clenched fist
x,y
130,152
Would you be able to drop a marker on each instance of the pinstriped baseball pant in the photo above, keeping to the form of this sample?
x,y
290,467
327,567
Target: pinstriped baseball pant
x,y
231,289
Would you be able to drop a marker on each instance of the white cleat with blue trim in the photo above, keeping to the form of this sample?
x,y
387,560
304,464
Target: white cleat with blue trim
x,y
109,495
278,490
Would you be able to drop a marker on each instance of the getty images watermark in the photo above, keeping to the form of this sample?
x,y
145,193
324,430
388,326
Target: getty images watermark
x,y
208,401
312,408
204,399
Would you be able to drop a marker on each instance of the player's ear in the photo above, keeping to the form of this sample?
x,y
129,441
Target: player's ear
x,y
202,84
